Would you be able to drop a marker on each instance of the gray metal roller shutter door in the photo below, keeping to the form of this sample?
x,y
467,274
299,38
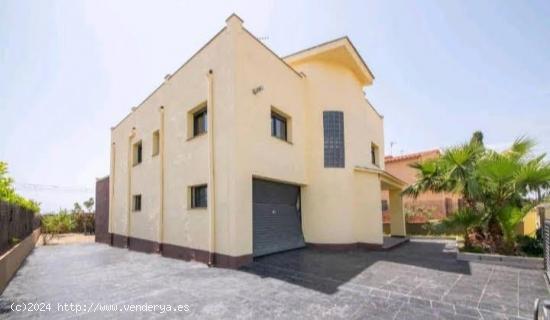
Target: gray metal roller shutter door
x,y
276,218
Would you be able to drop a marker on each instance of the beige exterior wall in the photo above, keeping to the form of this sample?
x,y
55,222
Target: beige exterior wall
x,y
332,193
338,205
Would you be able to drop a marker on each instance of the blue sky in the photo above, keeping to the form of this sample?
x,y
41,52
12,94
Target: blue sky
x,y
69,70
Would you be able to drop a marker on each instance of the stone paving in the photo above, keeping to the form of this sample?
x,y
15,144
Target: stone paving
x,y
419,280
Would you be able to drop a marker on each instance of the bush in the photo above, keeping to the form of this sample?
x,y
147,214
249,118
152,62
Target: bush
x,y
84,222
530,246
61,222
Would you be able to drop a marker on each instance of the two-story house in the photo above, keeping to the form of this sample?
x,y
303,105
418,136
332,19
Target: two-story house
x,y
241,153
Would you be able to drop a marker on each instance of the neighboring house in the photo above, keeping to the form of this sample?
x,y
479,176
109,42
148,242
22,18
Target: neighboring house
x,y
241,153
434,206
428,206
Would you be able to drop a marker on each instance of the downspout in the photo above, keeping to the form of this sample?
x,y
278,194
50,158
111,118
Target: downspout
x,y
130,153
211,181
112,189
161,155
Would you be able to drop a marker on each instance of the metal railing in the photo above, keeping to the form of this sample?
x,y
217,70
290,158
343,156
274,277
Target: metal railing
x,y
546,236
541,309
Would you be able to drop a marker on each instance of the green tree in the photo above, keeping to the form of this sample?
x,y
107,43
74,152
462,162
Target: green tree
x,y
8,194
89,205
499,187
77,208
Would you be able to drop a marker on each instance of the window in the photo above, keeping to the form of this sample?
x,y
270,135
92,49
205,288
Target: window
x,y
278,126
385,205
374,154
137,152
200,122
199,196
333,132
156,139
136,203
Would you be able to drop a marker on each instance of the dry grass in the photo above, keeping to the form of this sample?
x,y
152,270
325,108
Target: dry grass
x,y
67,238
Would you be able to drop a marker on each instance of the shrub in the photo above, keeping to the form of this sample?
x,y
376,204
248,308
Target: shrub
x,y
530,246
61,222
84,222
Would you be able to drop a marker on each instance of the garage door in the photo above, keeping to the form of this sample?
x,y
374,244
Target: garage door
x,y
276,217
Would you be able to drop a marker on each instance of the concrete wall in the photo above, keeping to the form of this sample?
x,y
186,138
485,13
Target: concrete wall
x,y
11,260
102,211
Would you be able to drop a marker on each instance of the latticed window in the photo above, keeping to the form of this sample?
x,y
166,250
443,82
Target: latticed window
x,y
333,131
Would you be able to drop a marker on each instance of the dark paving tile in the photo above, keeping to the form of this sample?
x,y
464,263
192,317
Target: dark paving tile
x,y
419,280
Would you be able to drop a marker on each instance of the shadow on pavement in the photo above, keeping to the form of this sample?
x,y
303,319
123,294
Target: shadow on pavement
x,y
325,271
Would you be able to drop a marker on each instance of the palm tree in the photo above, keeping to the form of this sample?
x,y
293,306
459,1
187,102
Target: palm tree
x,y
463,221
497,186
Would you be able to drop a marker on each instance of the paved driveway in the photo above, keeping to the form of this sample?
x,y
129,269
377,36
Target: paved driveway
x,y
419,280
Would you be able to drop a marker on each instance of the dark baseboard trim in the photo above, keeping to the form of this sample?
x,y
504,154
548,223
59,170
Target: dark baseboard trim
x,y
345,246
142,245
103,238
232,262
119,241
179,252
184,253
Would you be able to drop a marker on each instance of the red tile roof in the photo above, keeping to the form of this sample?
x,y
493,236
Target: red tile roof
x,y
388,159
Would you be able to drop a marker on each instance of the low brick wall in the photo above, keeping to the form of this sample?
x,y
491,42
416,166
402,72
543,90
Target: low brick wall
x,y
14,257
15,223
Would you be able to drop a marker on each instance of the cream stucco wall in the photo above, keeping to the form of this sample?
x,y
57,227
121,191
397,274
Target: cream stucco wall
x,y
334,194
338,205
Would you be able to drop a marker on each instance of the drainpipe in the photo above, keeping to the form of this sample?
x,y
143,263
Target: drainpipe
x,y
161,155
211,182
130,154
112,188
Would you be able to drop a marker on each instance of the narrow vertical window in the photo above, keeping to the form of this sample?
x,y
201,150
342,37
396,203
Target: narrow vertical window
x,y
374,151
199,196
200,122
278,126
136,205
385,206
137,153
156,141
333,132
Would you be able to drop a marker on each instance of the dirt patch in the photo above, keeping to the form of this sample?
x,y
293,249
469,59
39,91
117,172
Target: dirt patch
x,y
67,238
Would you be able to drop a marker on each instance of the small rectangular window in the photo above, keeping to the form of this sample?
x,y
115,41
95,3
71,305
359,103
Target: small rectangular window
x,y
200,122
156,140
374,154
136,205
199,196
137,153
278,126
